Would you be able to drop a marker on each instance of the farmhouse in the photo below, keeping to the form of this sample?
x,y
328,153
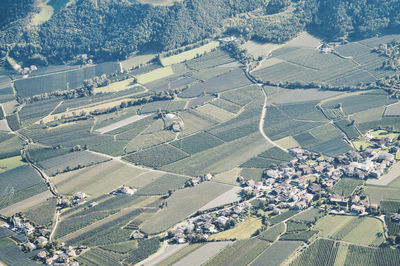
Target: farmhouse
x,y
357,209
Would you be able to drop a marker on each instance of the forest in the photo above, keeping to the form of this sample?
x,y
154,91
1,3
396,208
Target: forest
x,y
112,30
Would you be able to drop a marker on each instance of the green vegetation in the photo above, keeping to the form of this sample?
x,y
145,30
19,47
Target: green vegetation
x,y
281,217
110,232
298,236
272,234
163,185
71,161
321,252
197,143
97,256
99,179
157,156
180,254
146,247
187,55
21,182
122,248
277,253
347,186
243,230
11,254
42,214
240,253
357,255
11,163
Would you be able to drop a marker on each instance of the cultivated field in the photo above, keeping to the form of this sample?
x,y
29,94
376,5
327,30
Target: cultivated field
x,y
187,55
203,254
244,230
98,179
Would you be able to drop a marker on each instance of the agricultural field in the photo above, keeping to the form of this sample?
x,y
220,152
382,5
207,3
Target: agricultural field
x,y
228,197
277,253
218,84
68,79
321,252
71,161
378,193
170,83
241,252
11,254
155,75
244,230
347,66
121,123
272,233
11,163
99,179
346,186
190,54
177,208
220,109
357,230
157,156
33,112
393,110
42,214
19,184
163,185
202,254
221,158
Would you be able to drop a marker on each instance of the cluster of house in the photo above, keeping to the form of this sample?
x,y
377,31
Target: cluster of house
x,y
294,185
25,70
201,227
78,199
38,239
199,179
60,257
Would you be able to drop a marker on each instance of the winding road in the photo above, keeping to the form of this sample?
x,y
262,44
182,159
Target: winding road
x,y
262,120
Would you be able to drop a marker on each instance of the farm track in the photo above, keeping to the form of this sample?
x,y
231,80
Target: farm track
x,y
263,112
262,120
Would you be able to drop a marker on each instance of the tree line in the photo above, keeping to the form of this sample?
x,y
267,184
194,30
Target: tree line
x,y
112,30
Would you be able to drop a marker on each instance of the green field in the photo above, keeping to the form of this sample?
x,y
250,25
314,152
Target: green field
x,y
378,193
42,214
11,163
187,55
242,252
98,179
18,184
277,253
272,233
321,252
347,186
357,230
163,185
71,161
221,158
244,230
155,75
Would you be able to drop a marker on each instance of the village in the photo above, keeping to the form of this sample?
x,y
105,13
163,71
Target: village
x,y
306,181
